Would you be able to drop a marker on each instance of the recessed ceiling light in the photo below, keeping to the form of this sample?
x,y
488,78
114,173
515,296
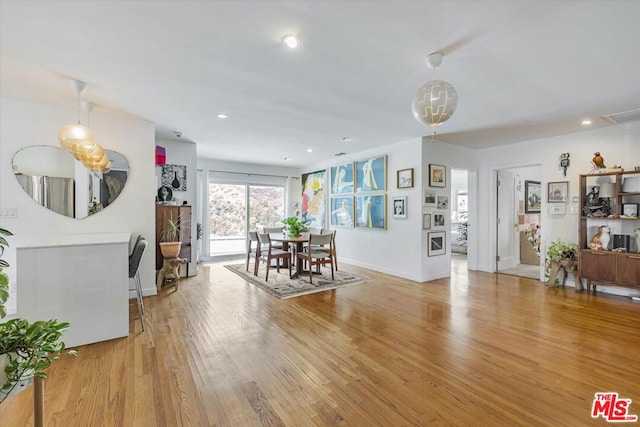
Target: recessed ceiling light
x,y
287,158
309,150
222,116
346,139
291,41
586,122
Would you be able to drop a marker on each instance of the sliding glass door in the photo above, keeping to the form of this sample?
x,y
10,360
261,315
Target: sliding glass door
x,y
236,208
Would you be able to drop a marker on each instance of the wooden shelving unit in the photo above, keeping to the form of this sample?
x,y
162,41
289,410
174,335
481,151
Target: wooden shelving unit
x,y
607,267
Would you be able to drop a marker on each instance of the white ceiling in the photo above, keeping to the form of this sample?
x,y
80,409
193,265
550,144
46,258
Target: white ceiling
x,y
522,69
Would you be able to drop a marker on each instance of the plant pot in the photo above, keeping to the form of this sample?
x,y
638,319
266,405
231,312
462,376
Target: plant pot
x,y
26,380
170,249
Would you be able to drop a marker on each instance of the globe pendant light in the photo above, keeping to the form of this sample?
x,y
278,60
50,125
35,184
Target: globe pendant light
x,y
76,137
436,101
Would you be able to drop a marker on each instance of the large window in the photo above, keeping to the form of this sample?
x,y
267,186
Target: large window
x,y
236,208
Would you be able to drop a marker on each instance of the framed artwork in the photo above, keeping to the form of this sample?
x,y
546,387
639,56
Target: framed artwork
x,y
342,211
314,198
175,177
558,192
426,221
429,198
436,243
443,202
371,211
630,210
557,209
437,176
342,179
438,220
532,197
405,178
400,207
371,174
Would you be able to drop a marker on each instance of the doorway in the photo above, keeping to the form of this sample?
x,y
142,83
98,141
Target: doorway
x,y
459,219
518,222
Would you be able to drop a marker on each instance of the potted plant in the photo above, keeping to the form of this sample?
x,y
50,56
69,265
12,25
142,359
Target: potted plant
x,y
170,243
294,225
560,255
26,349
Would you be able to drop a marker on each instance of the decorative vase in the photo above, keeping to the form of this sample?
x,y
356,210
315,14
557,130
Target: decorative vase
x,y
170,249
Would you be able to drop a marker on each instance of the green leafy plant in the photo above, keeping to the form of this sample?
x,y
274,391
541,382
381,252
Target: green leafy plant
x,y
558,251
171,231
26,349
294,225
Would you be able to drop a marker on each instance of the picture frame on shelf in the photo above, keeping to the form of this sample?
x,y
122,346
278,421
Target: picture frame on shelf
x,y
371,174
532,197
430,197
405,178
371,211
630,210
558,192
436,243
426,221
342,211
437,176
399,207
342,178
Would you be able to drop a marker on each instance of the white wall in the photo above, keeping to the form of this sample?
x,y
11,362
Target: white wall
x,y
618,144
183,153
24,124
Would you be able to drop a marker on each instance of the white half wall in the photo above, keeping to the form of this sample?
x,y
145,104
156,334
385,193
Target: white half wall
x,y
24,124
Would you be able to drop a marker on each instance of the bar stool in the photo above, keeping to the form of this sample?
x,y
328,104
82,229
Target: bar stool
x,y
134,264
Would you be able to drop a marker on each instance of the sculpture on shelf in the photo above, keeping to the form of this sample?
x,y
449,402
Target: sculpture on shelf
x,y
600,240
594,205
636,233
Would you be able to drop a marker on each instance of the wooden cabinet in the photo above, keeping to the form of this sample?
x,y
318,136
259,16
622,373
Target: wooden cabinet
x,y
608,267
182,212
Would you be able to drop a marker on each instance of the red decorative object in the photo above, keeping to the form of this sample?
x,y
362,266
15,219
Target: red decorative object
x,y
161,155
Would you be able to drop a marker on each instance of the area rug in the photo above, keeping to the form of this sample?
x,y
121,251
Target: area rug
x,y
282,287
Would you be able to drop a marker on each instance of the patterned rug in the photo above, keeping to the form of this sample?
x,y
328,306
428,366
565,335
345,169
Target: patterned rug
x,y
282,287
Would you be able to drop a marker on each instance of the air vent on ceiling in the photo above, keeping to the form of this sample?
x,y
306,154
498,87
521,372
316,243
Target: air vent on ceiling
x,y
339,154
624,117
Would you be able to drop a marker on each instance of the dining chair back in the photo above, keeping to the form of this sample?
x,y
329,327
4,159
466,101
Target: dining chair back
x,y
268,253
134,274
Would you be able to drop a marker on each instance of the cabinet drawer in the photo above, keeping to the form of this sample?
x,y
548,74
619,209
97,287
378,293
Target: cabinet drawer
x,y
599,266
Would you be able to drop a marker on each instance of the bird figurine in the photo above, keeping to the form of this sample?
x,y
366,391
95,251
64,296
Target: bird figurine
x,y
598,161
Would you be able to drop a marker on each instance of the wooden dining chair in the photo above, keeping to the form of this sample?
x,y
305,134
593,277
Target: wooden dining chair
x,y
268,253
333,247
269,230
317,252
253,237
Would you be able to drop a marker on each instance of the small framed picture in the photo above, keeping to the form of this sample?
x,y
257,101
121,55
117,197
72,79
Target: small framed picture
x,y
443,202
558,192
437,176
405,178
436,243
557,209
532,196
429,198
630,210
426,221
399,207
438,220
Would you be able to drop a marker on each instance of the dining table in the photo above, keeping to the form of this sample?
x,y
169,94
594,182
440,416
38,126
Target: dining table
x,y
297,242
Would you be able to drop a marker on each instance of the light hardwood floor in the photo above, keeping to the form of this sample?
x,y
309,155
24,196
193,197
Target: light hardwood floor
x,y
477,349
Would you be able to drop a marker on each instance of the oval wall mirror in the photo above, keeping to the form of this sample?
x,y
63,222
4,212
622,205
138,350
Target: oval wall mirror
x,y
53,178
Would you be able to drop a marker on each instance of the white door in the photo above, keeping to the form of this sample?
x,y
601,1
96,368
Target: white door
x,y
507,253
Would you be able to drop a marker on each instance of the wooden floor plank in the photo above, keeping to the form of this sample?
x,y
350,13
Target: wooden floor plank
x,y
472,349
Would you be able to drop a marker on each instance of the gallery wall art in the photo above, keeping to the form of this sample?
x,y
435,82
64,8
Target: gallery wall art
x,y
314,198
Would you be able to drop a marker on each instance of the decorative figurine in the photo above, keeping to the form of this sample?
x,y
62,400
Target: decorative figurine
x,y
637,235
600,240
594,205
